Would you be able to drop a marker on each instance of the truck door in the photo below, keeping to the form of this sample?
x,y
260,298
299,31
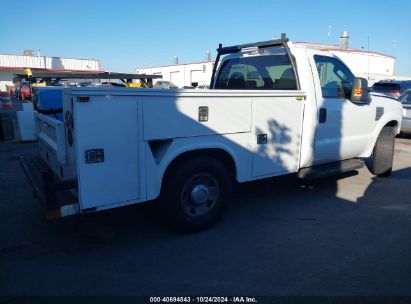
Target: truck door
x,y
277,134
343,127
277,107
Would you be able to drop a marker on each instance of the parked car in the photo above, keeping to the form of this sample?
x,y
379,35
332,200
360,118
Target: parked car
x,y
57,84
87,83
164,84
203,87
113,84
392,88
406,118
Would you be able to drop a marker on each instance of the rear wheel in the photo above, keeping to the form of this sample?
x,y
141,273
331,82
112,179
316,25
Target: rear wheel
x,y
383,153
195,191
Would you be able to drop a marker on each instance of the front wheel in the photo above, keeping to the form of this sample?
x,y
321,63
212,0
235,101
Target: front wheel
x,y
383,153
195,191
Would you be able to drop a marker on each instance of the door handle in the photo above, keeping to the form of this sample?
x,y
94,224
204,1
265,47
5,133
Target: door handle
x,y
323,115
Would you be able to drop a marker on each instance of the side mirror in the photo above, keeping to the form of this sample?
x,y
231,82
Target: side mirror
x,y
359,93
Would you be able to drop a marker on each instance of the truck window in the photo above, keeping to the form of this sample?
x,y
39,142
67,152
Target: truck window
x,y
261,72
335,78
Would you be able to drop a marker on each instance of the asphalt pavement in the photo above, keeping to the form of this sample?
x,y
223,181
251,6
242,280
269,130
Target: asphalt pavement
x,y
338,236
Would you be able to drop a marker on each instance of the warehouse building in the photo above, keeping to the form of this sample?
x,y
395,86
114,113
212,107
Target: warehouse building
x,y
371,65
190,74
15,64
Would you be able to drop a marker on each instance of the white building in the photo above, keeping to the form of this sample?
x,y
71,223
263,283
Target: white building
x,y
14,64
371,65
190,74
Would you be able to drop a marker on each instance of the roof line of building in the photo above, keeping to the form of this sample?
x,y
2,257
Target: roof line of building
x,y
179,64
336,47
35,56
52,70
327,47
359,51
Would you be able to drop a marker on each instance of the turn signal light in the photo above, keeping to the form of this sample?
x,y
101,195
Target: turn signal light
x,y
359,91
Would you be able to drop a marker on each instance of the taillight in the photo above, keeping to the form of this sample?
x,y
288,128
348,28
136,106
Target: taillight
x,y
396,93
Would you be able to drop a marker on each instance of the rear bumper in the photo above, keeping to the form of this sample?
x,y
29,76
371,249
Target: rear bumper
x,y
54,195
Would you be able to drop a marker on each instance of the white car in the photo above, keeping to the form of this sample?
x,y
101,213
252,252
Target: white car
x,y
406,118
164,84
187,88
202,87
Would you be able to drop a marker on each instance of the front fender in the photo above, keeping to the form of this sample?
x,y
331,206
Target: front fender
x,y
388,120
392,116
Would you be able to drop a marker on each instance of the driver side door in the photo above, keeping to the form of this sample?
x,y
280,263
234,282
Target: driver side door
x,y
343,127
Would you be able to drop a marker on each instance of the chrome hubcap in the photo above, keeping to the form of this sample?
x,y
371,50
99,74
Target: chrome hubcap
x,y
199,194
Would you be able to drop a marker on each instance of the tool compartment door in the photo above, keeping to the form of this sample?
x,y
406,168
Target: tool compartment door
x,y
52,142
110,126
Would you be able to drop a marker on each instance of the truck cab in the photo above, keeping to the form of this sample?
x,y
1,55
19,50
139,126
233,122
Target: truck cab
x,y
330,124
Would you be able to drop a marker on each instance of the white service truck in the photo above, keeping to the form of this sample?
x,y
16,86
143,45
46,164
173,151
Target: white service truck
x,y
273,108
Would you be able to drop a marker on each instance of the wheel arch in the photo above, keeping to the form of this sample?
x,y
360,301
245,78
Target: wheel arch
x,y
392,123
388,123
224,155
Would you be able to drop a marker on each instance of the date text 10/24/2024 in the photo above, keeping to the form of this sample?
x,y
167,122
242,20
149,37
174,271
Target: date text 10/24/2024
x,y
203,300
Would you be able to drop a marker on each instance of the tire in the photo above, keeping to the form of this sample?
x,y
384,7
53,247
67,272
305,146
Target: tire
x,y
194,193
383,153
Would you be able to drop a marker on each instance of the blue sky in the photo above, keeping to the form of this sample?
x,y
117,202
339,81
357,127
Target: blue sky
x,y
129,34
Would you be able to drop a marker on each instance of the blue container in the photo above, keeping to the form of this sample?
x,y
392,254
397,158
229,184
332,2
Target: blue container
x,y
49,98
